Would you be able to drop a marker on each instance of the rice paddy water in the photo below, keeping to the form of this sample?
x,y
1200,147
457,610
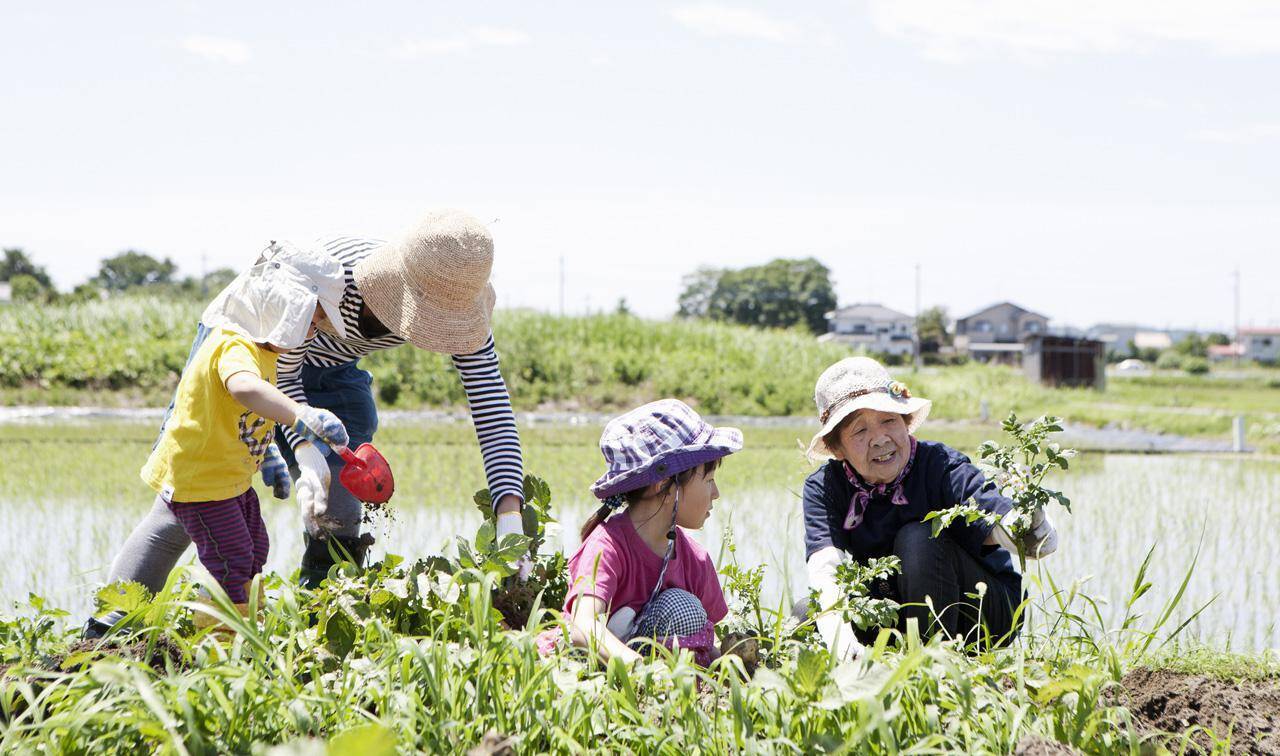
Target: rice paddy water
x,y
69,495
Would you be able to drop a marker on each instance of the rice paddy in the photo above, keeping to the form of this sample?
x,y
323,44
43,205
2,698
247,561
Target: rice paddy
x,y
69,494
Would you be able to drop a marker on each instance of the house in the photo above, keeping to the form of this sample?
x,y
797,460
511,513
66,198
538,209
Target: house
x,y
6,292
1261,344
1221,352
872,328
996,333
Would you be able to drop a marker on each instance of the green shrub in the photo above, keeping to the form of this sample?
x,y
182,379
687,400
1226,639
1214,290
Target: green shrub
x,y
1195,365
1169,360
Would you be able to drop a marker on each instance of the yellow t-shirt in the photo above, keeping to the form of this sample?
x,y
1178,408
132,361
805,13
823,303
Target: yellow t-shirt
x,y
211,445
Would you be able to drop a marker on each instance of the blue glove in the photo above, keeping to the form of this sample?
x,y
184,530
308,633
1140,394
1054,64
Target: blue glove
x,y
275,472
320,426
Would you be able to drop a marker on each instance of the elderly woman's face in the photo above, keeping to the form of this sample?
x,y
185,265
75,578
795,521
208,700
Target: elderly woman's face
x,y
876,444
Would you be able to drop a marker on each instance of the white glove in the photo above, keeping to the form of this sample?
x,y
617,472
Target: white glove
x,y
835,632
313,489
1039,541
509,523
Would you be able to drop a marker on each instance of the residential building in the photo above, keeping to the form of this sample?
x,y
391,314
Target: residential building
x,y
6,292
996,333
1261,344
872,328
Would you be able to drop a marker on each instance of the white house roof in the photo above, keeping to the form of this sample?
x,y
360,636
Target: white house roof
x,y
868,311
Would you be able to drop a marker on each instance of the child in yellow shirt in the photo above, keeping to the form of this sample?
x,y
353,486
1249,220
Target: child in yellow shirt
x,y
223,417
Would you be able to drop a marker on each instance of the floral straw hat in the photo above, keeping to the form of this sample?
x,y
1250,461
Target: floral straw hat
x,y
431,286
856,383
656,441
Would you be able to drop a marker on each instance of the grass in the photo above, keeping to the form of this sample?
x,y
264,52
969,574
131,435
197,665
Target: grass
x,y
413,658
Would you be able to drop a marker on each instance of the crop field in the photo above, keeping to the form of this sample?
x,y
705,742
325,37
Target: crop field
x,y
389,668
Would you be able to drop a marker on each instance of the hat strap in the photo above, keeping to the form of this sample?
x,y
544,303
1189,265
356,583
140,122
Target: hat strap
x,y
826,414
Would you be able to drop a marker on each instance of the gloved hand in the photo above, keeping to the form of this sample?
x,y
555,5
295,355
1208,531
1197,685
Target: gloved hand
x,y
1040,540
275,472
313,488
513,522
832,627
320,425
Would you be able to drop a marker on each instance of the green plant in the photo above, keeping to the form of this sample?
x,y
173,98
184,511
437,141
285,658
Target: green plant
x,y
1018,472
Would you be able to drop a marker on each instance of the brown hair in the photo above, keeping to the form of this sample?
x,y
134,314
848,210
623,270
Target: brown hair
x,y
634,495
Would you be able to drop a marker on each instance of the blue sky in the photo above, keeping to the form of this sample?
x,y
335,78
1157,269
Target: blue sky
x,y
1090,160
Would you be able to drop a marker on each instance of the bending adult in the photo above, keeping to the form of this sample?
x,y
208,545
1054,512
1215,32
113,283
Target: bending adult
x,y
429,288
870,496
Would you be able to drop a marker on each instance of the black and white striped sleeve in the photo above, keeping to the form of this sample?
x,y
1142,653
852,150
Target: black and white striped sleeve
x,y
494,420
289,381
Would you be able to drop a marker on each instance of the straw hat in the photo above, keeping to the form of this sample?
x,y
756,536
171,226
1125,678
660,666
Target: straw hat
x,y
431,286
856,383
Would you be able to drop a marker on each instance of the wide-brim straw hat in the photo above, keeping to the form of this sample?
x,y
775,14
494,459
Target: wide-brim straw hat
x,y
431,286
657,441
856,383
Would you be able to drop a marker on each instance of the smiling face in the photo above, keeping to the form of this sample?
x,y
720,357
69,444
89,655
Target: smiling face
x,y
875,443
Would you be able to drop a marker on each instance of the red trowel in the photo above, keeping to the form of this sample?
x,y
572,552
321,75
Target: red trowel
x,y
366,475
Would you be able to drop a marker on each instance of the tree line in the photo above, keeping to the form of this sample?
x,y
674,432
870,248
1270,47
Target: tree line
x,y
127,271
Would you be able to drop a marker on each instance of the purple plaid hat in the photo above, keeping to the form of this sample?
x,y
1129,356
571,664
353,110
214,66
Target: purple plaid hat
x,y
654,442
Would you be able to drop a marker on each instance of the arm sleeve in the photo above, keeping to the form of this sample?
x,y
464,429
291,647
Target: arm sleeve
x,y
817,515
289,381
596,573
236,355
494,420
963,480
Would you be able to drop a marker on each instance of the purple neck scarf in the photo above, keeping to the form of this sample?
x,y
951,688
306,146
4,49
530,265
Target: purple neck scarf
x,y
863,491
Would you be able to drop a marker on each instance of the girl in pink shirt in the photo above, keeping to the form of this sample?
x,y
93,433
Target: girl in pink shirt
x,y
637,574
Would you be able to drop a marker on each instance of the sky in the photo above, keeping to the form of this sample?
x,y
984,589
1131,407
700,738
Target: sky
x,y
1092,160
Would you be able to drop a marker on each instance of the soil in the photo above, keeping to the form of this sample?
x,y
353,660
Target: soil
x,y
1174,702
494,744
1034,745
163,651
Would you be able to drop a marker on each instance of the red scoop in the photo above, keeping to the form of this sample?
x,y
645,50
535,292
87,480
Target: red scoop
x,y
366,475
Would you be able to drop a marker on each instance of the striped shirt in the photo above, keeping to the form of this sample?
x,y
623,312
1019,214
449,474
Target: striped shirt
x,y
486,391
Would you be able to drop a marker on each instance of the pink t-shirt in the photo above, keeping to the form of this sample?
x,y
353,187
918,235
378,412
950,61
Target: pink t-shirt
x,y
615,565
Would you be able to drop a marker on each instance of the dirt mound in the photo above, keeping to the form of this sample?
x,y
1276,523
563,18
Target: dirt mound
x,y
1034,745
1174,702
160,655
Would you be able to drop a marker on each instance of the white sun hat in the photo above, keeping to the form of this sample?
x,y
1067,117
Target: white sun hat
x,y
856,383
273,301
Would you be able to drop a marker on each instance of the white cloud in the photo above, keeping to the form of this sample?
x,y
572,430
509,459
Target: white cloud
x,y
726,21
478,36
1248,134
218,49
956,30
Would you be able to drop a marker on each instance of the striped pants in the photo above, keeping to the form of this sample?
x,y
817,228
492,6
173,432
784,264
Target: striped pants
x,y
230,538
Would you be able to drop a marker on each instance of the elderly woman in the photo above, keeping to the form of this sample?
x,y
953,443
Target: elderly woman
x,y
870,498
429,288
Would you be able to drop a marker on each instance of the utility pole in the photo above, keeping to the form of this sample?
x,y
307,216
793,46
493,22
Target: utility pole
x,y
204,274
562,286
915,338
1236,346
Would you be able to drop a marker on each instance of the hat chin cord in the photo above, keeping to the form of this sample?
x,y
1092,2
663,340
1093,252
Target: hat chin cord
x,y
666,560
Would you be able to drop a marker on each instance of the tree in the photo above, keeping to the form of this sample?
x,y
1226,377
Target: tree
x,y
778,294
1217,339
931,329
131,268
1192,346
699,287
216,280
27,288
16,263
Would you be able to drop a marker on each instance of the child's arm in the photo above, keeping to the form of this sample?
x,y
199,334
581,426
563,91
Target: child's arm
x,y
587,626
263,399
